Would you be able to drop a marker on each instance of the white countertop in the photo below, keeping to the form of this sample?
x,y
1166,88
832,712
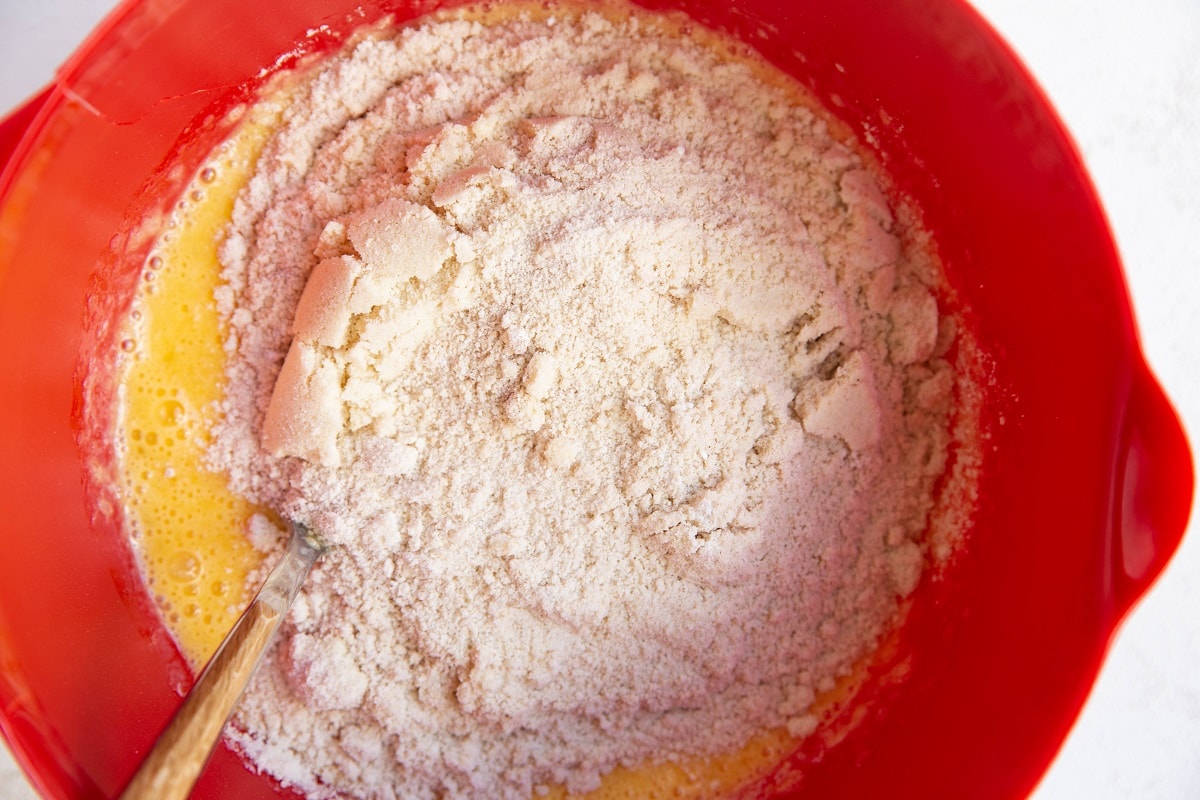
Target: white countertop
x,y
1125,77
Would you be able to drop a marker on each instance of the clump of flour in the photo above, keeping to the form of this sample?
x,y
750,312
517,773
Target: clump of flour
x,y
608,369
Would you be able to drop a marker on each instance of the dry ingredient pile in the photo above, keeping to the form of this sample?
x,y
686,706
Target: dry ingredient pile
x,y
614,380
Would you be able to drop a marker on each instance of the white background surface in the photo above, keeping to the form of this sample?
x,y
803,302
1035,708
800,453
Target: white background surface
x,y
1125,76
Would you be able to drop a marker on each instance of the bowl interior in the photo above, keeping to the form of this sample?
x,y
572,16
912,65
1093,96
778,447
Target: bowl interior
x,y
1084,492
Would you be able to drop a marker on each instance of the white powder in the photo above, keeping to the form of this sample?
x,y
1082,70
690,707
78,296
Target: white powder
x,y
616,385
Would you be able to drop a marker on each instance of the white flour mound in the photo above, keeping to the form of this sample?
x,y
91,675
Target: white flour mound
x,y
612,379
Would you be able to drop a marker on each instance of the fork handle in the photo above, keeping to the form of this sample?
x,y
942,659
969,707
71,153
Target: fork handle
x,y
178,757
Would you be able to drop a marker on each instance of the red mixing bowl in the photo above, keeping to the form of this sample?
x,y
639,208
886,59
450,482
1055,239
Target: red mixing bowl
x,y
1085,491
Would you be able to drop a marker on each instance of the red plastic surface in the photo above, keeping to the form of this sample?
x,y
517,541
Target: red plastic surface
x,y
1085,492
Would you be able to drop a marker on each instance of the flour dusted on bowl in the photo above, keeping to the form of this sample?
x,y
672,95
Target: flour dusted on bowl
x,y
616,381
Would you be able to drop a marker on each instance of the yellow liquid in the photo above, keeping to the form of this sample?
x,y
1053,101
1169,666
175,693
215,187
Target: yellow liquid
x,y
190,528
